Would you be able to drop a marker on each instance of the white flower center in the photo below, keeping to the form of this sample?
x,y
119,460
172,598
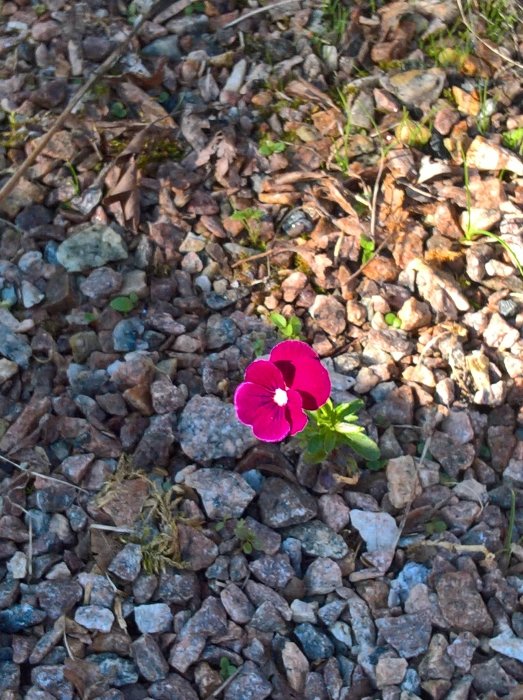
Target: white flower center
x,y
280,397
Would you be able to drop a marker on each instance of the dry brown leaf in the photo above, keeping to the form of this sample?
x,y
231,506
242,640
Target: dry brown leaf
x,y
151,110
308,92
86,678
392,215
123,198
154,80
104,547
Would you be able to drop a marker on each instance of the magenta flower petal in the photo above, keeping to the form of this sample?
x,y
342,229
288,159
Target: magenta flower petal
x,y
255,406
271,423
295,415
302,371
265,374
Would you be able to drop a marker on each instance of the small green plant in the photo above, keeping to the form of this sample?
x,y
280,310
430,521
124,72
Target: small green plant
x,y
118,110
336,16
248,217
368,247
513,139
412,133
472,233
246,536
500,18
194,8
124,304
392,320
90,317
333,426
483,118
268,147
74,177
342,152
435,526
289,328
258,347
227,669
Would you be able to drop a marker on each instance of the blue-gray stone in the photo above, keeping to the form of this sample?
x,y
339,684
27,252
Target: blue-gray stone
x,y
9,296
220,332
117,670
164,46
8,592
14,346
319,540
50,250
411,574
85,381
126,334
38,519
20,617
9,676
411,682
218,302
55,498
315,644
93,245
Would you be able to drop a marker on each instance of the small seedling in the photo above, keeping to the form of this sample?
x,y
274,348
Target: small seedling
x,y
247,217
90,317
472,233
289,328
333,426
118,110
435,526
392,320
197,7
500,19
513,139
368,247
74,177
258,347
268,147
246,537
124,304
227,669
336,16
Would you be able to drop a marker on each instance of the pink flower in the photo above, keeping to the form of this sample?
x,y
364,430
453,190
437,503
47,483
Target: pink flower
x,y
276,391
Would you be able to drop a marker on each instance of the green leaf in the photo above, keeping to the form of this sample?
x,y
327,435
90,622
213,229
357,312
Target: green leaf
x,y
376,465
122,304
118,110
329,441
278,320
247,547
226,668
392,320
349,409
246,214
346,428
364,446
268,147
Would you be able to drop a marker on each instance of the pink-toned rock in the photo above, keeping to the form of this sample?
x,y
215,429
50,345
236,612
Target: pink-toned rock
x,y
293,285
414,314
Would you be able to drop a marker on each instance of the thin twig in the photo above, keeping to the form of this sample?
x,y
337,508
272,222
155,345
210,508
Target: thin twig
x,y
42,476
257,12
13,226
373,217
225,683
81,93
489,46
